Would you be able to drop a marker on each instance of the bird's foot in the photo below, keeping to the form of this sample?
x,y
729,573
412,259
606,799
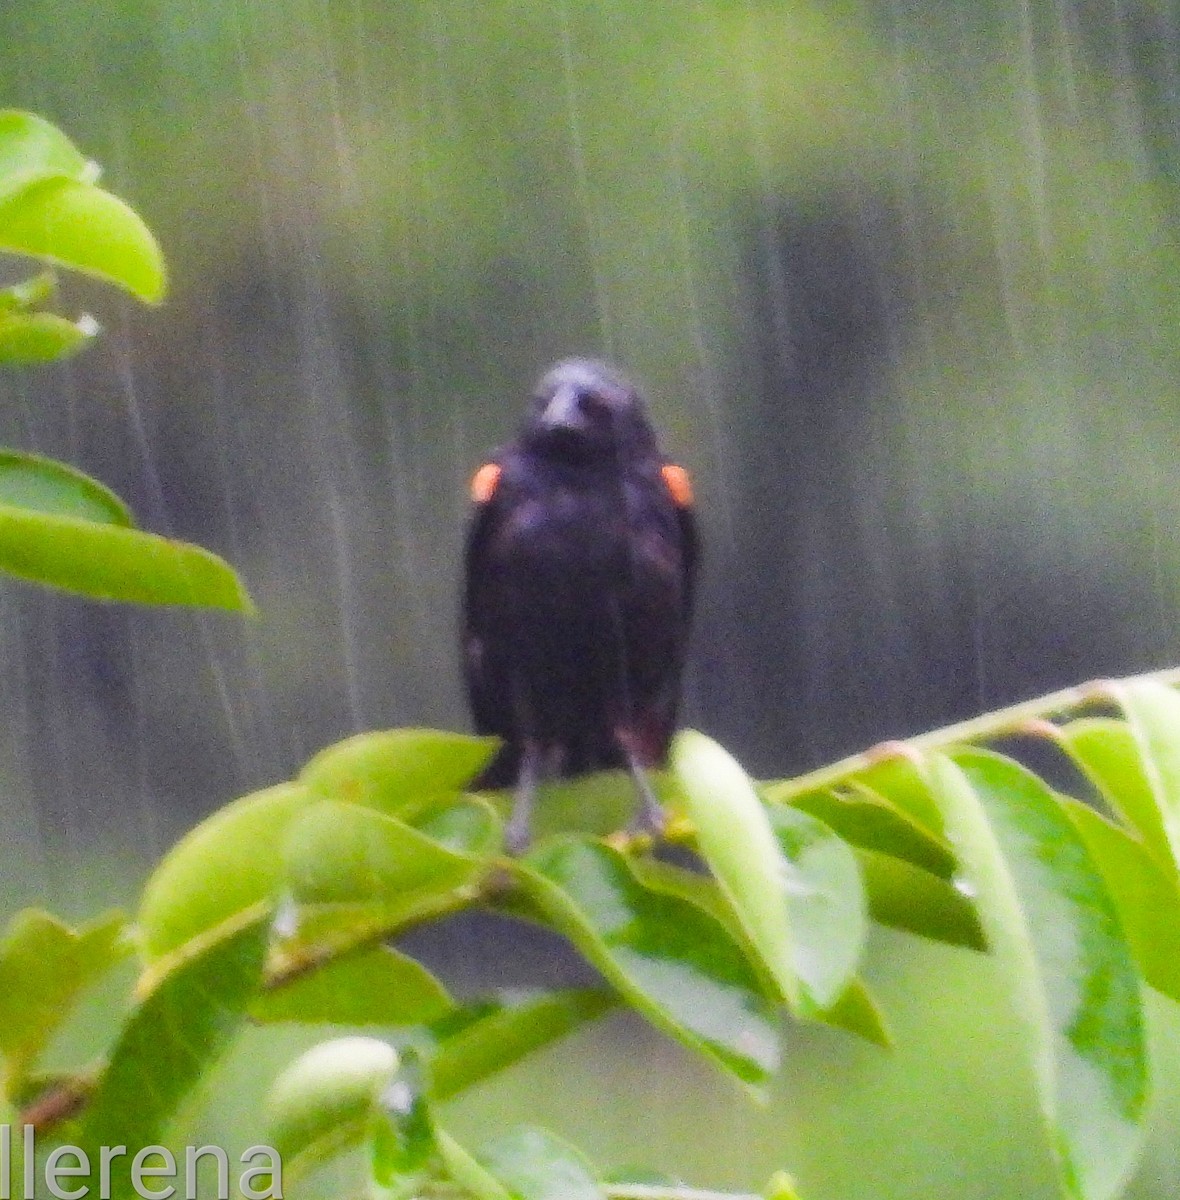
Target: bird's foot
x,y
517,831
638,754
649,818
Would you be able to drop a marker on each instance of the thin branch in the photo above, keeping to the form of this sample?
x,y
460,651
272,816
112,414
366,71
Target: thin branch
x,y
1003,722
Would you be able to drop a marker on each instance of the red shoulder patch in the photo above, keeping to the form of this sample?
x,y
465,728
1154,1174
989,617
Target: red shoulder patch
x,y
678,483
485,481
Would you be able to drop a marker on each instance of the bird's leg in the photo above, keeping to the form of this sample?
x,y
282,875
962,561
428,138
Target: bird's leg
x,y
649,816
516,832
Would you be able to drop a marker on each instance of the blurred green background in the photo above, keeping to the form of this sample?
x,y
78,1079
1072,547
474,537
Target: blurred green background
x,y
900,277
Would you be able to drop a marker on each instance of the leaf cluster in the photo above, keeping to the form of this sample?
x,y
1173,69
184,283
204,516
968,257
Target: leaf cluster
x,y
285,906
58,526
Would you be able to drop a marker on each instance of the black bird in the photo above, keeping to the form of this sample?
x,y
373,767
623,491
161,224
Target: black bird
x,y
580,563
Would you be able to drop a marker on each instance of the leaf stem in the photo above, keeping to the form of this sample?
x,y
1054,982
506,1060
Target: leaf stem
x,y
1001,723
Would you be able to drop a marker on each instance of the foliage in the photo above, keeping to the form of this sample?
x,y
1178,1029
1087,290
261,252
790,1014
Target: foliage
x,y
58,526
281,907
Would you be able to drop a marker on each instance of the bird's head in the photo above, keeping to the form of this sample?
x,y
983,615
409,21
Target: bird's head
x,y
584,411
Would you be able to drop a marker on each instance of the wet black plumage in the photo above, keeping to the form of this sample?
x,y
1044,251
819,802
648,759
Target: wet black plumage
x,y
580,566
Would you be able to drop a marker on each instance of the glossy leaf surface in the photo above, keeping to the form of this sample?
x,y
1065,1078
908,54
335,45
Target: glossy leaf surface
x,y
825,901
225,865
44,968
484,1037
1146,895
468,825
337,852
672,960
373,985
905,897
1108,753
1153,713
867,820
739,845
85,228
42,485
398,769
532,1164
1054,929
894,775
112,562
172,1038
794,886
854,1010
31,149
40,337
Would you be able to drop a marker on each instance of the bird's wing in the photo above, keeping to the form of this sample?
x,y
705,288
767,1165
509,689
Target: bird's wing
x,y
660,719
487,707
690,545
679,487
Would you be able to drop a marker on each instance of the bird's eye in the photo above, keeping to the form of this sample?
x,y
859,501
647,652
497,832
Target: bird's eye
x,y
593,404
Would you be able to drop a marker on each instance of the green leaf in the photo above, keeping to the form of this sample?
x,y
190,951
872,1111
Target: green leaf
x,y
699,889
401,1134
345,853
469,825
224,866
868,821
42,485
397,770
854,1010
31,149
29,293
780,1186
826,904
41,337
465,1170
1107,752
1153,713
888,774
109,562
324,1101
673,961
595,804
1054,930
373,985
644,1177
479,1039
1146,895
78,225
896,778
532,1164
740,848
794,886
905,897
311,934
172,1038
44,968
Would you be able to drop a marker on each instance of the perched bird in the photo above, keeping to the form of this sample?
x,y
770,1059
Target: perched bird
x,y
580,564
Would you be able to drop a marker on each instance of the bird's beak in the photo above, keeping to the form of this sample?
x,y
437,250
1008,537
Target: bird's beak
x,y
563,413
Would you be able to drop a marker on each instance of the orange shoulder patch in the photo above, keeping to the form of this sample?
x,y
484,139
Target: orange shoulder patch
x,y
485,481
678,483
